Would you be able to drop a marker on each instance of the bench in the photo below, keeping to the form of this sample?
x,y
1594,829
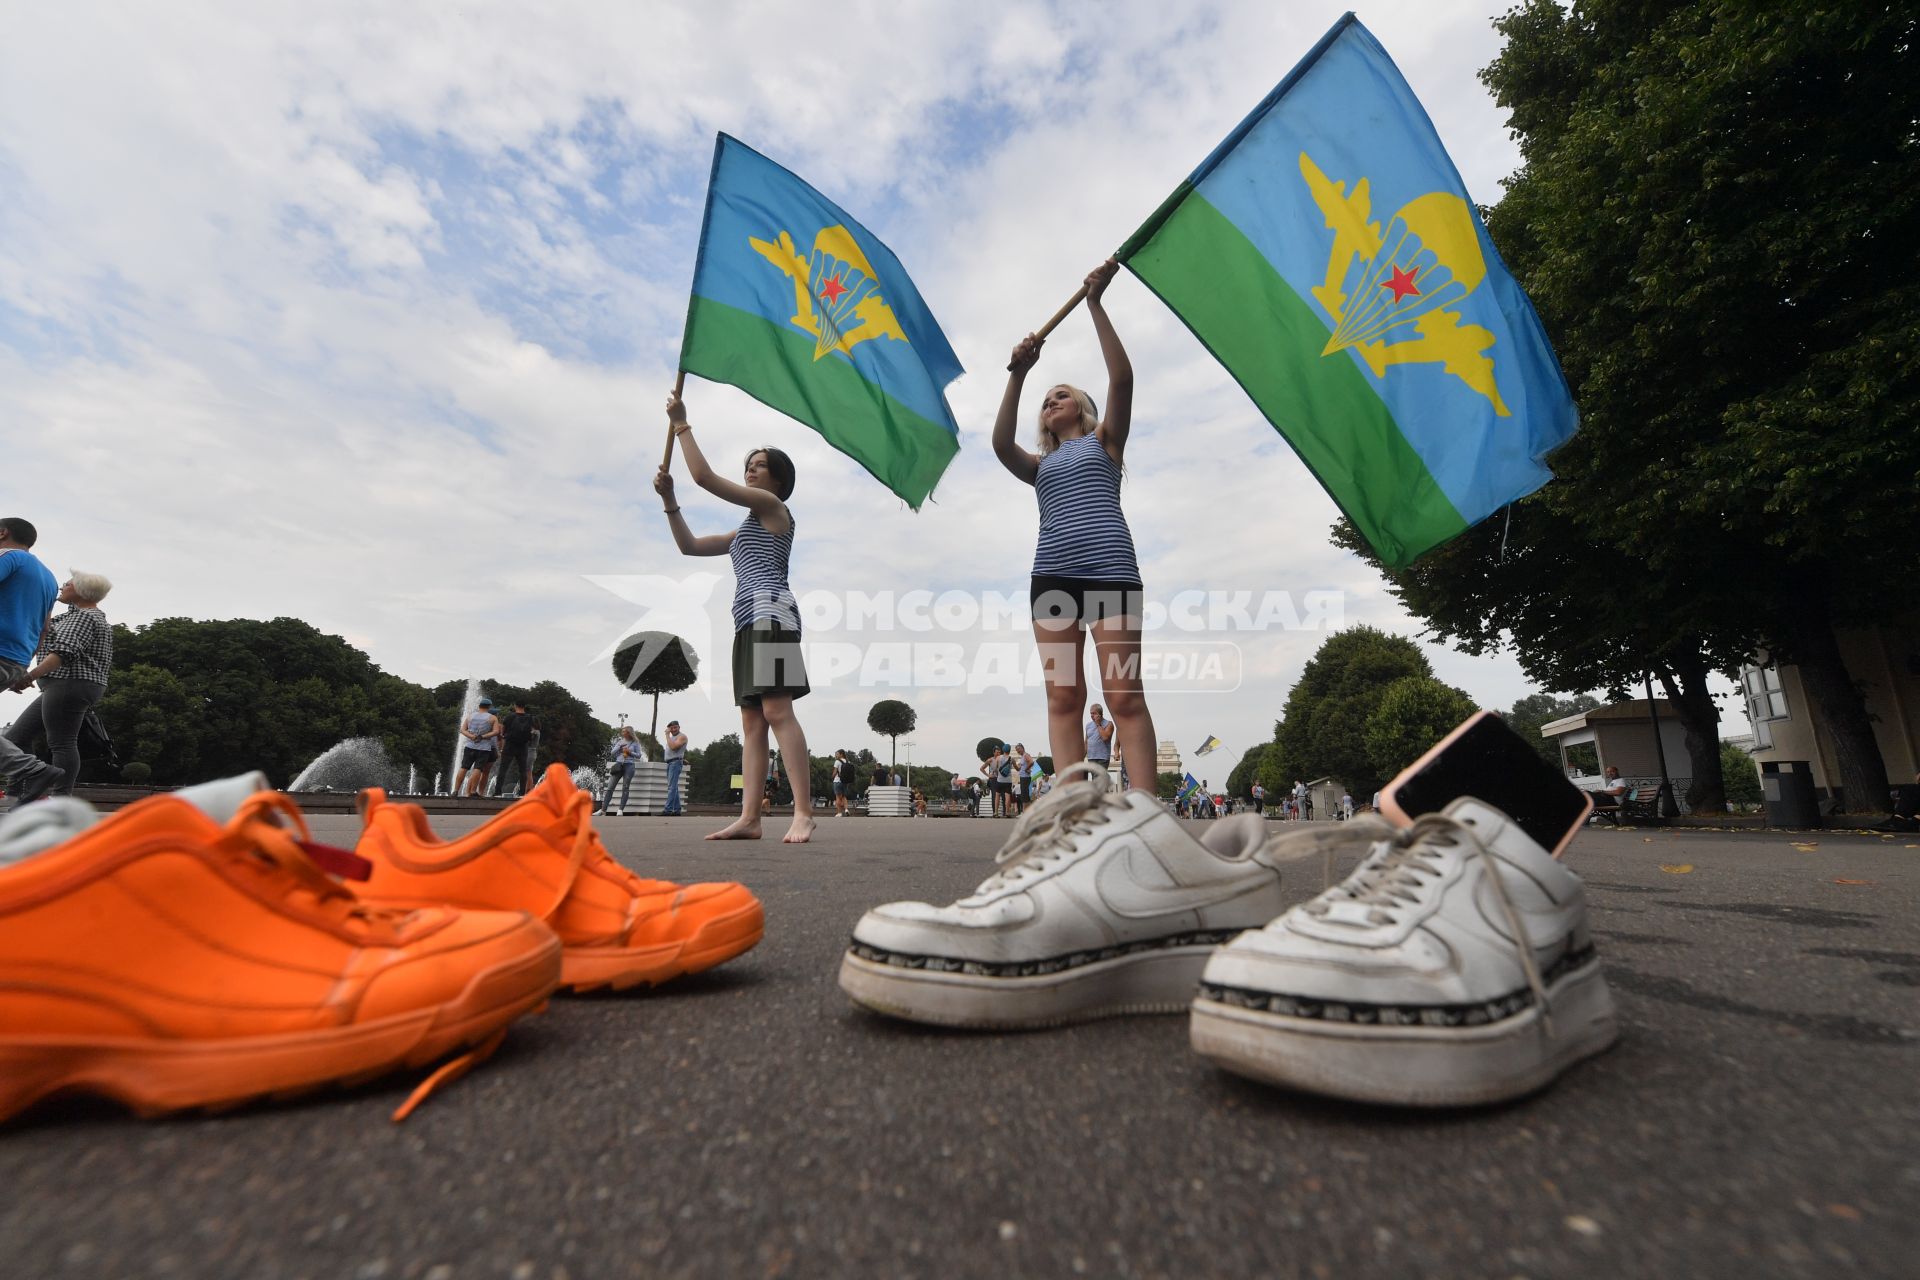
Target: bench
x,y
1639,804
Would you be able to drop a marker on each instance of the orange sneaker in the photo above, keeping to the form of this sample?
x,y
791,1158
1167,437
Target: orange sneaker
x,y
168,961
542,855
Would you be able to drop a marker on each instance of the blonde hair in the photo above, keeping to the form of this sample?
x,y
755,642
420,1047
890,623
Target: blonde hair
x,y
1088,418
91,587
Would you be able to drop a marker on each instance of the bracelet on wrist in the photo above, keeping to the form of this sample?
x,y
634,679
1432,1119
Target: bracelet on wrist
x,y
673,511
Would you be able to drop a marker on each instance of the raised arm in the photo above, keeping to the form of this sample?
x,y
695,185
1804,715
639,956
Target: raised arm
x,y
713,544
1119,420
1023,464
772,511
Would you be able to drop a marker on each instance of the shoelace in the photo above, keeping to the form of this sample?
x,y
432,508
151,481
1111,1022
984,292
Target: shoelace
x,y
1047,829
586,849
1397,873
270,827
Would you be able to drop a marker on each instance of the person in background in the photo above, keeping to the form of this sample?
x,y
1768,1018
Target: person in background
x,y
516,744
27,594
676,745
76,656
628,751
839,784
482,732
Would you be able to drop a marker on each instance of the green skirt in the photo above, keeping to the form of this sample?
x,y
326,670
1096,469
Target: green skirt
x,y
766,660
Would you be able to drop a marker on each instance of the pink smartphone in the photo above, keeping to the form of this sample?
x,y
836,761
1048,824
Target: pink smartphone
x,y
1485,759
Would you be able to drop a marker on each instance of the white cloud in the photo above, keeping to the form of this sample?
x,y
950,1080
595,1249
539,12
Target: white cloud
x,y
308,311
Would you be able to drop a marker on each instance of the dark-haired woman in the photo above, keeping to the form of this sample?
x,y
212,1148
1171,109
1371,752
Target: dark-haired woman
x,y
1085,576
767,671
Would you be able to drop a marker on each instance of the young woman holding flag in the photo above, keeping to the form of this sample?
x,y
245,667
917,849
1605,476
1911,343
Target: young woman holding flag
x,y
1084,571
767,670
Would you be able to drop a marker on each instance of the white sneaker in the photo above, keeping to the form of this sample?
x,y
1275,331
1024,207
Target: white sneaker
x,y
1102,905
1409,982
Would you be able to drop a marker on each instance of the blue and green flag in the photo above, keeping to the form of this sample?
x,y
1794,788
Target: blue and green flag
x,y
804,310
1328,255
1188,785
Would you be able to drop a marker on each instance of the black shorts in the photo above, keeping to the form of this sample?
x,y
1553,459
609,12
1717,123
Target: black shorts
x,y
472,759
1084,600
1026,789
766,661
1003,787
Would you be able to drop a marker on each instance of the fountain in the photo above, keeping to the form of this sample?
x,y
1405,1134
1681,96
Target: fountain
x,y
348,765
413,780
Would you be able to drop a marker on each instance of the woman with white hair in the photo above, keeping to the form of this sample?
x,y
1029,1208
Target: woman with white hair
x,y
76,655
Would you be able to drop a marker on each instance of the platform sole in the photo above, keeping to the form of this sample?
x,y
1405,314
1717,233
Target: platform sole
x,y
1416,1066
1145,983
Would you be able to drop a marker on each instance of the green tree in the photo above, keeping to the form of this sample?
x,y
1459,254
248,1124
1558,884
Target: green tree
x,y
655,662
1743,777
711,769
891,718
1323,730
1166,785
1536,709
1240,780
1716,218
985,748
1414,713
154,719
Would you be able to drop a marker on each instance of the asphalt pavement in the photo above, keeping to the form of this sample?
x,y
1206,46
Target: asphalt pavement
x,y
1757,1119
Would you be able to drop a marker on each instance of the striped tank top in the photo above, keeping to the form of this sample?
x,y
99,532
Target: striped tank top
x,y
1082,532
760,591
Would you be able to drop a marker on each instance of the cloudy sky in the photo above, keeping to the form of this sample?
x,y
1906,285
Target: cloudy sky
x,y
364,314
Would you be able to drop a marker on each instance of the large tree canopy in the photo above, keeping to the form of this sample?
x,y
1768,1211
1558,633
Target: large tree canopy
x,y
196,700
1715,217
1323,731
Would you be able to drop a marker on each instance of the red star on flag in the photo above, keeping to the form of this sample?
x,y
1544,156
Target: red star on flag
x,y
832,290
1402,284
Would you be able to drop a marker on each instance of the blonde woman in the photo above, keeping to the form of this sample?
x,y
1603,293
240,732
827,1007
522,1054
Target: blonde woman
x,y
1086,579
71,669
628,752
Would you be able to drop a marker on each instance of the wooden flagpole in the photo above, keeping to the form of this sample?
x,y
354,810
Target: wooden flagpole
x,y
679,384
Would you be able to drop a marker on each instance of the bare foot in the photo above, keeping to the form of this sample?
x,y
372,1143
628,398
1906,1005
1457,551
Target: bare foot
x,y
738,829
800,832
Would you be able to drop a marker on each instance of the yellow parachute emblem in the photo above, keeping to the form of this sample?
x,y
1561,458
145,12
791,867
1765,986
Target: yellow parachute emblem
x,y
1427,260
833,287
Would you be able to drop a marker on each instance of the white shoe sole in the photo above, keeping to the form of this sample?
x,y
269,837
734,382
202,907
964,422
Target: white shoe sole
x,y
1413,1066
1150,982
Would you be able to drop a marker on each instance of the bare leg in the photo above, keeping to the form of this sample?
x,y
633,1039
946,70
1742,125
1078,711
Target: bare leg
x,y
778,711
1062,654
1116,642
753,765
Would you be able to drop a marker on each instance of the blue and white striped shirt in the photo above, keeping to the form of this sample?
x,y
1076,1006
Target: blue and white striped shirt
x,y
760,591
1082,531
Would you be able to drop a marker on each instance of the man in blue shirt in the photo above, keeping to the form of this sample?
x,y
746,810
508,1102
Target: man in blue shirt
x,y
27,593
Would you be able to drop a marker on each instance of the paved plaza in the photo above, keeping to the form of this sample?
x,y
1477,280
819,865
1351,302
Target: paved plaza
x,y
1757,1118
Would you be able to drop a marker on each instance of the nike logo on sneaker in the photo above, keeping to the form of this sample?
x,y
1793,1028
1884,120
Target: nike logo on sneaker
x,y
1124,881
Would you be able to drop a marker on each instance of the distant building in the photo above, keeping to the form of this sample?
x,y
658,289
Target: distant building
x,y
1167,759
1621,735
1886,664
